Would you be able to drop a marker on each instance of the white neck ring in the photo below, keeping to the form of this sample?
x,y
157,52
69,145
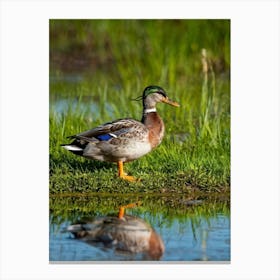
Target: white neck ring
x,y
152,110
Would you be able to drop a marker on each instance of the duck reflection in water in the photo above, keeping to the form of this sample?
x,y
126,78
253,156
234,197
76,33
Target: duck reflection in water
x,y
124,234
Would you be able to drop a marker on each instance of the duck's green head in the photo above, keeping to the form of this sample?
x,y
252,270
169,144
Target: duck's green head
x,y
153,89
154,94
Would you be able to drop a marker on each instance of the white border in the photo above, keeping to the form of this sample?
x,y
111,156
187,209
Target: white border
x,y
24,137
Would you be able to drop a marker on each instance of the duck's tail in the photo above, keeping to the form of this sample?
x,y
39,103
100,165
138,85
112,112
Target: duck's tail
x,y
73,148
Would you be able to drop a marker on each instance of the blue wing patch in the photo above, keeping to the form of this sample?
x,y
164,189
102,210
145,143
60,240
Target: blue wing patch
x,y
104,137
108,136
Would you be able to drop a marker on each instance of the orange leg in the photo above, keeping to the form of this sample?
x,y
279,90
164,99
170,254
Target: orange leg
x,y
122,208
123,175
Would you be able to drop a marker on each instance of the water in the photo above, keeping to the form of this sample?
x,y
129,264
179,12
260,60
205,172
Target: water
x,y
186,239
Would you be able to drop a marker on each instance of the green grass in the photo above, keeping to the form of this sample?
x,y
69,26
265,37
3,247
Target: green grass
x,y
105,64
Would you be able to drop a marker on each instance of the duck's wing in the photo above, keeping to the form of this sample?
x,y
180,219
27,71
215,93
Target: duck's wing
x,y
107,131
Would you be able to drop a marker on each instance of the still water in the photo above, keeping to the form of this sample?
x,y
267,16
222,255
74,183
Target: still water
x,y
196,238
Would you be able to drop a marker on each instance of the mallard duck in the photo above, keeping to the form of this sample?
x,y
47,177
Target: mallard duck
x,y
124,233
124,140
